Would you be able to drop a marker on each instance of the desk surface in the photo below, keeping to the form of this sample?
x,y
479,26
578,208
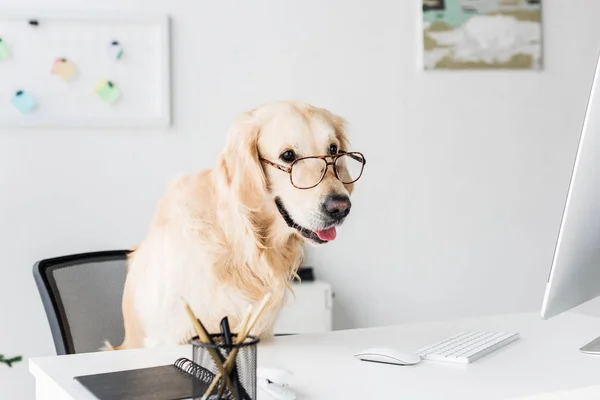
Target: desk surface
x,y
546,359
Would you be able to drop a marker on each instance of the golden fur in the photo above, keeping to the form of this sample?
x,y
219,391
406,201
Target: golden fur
x,y
217,238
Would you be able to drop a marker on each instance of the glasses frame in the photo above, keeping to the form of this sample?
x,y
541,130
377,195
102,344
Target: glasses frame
x,y
333,157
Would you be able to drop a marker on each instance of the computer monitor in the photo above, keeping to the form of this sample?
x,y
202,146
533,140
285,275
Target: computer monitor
x,y
575,272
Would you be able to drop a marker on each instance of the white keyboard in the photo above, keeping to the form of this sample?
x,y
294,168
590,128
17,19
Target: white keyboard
x,y
466,347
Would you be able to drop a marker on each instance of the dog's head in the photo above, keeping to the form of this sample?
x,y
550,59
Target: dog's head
x,y
295,156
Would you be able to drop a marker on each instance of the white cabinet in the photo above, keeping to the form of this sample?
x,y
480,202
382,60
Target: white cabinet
x,y
310,311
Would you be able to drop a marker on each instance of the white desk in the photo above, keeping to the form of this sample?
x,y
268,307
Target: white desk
x,y
545,360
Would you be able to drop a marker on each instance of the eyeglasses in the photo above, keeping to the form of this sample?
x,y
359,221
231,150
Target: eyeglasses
x,y
308,172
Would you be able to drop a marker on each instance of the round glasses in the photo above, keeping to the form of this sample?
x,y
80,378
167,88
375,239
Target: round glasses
x,y
308,172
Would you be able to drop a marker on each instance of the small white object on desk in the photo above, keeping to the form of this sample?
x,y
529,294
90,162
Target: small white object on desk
x,y
278,376
275,382
277,392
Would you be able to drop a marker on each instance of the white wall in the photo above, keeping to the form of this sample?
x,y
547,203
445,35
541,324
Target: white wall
x,y
458,210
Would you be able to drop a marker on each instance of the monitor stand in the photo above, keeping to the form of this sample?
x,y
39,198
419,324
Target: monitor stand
x,y
592,347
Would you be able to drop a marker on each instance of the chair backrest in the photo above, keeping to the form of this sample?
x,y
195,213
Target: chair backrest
x,y
82,294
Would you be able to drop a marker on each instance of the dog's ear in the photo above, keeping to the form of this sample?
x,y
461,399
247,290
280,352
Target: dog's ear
x,y
340,127
240,166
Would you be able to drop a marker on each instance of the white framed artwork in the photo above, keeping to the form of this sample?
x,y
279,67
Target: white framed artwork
x,y
84,70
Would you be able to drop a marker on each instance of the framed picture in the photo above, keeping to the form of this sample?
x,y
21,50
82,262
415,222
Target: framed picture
x,y
482,34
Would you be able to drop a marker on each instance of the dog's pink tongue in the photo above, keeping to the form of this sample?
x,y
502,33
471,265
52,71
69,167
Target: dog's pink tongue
x,y
327,234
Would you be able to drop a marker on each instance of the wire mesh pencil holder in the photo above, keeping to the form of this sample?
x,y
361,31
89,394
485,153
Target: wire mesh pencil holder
x,y
243,377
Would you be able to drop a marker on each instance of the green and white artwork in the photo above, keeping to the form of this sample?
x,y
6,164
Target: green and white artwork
x,y
482,34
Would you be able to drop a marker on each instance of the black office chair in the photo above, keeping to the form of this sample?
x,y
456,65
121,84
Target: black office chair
x,y
82,294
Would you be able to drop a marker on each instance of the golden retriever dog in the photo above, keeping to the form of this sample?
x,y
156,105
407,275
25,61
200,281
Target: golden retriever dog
x,y
223,238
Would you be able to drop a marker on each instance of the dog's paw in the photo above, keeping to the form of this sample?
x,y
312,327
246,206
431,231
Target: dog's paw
x,y
107,347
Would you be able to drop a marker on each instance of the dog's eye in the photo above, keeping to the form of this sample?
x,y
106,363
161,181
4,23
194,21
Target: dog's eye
x,y
333,149
288,156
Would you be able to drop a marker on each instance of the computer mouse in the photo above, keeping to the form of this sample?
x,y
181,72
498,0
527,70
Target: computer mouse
x,y
388,355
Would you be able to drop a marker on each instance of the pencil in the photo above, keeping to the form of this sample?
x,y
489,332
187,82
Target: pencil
x,y
245,320
256,315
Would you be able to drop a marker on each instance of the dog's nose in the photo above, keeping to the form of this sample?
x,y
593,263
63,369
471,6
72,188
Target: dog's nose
x,y
337,207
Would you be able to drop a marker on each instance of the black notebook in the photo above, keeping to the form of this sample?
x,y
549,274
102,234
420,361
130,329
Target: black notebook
x,y
182,380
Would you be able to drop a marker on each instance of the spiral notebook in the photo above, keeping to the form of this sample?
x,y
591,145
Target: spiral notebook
x,y
183,379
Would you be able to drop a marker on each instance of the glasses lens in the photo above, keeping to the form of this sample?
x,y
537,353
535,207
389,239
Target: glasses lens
x,y
349,167
307,172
